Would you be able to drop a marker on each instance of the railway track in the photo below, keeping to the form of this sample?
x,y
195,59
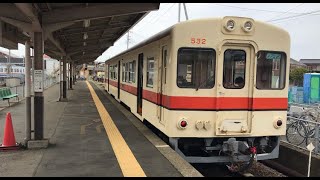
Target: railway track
x,y
218,170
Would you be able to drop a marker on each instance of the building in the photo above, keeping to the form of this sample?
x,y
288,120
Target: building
x,y
51,67
294,64
313,65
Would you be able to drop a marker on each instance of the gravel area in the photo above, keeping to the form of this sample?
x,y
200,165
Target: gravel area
x,y
261,170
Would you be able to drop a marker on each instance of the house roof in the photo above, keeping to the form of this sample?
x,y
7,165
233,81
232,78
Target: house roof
x,y
295,62
5,53
310,61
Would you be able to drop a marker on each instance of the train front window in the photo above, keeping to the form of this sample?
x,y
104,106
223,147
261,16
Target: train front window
x,y
196,68
271,70
234,69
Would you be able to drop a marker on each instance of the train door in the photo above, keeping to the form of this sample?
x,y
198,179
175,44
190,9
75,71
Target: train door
x,y
162,80
234,90
119,79
140,84
108,76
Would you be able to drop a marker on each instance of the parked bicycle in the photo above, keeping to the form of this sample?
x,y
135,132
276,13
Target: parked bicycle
x,y
303,126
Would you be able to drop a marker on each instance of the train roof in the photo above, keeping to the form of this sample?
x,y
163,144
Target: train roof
x,y
167,31
147,41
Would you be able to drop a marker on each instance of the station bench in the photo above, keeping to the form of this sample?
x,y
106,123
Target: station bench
x,y
5,94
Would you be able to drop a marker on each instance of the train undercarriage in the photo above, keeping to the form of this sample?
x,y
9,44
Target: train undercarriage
x,y
237,153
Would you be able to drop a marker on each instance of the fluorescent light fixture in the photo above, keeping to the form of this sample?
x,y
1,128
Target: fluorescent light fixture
x,y
84,43
85,36
83,53
86,23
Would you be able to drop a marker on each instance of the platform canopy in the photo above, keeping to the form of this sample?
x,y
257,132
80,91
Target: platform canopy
x,y
79,31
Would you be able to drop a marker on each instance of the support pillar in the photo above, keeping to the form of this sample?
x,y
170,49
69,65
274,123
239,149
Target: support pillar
x,y
61,79
38,92
28,91
70,75
73,74
64,80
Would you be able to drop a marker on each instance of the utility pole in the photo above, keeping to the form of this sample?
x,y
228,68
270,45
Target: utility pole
x,y
185,11
9,63
179,9
128,40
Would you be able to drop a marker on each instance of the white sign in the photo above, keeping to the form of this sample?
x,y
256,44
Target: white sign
x,y
38,80
310,147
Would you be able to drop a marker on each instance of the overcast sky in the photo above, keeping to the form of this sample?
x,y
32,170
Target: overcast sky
x,y
301,20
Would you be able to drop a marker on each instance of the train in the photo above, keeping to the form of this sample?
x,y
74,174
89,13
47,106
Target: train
x,y
217,88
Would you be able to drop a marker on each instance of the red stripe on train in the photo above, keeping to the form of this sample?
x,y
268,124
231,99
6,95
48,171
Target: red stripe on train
x,y
130,89
209,103
113,83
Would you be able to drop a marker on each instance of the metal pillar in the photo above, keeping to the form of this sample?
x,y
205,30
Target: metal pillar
x,y
28,90
64,78
61,81
38,91
32,64
74,74
185,11
70,75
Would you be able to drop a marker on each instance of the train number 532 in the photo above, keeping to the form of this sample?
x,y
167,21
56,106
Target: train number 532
x,y
198,41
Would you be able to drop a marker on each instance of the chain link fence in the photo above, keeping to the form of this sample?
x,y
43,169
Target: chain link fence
x,y
303,125
20,89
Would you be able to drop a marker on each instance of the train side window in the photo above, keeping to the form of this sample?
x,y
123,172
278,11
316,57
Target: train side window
x,y
123,72
234,69
127,72
132,67
196,68
110,72
150,71
271,70
115,72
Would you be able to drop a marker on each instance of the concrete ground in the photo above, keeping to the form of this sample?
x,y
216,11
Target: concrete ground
x,y
79,145
25,162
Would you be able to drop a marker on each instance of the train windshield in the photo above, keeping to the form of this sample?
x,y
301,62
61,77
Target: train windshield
x,y
234,68
196,68
271,70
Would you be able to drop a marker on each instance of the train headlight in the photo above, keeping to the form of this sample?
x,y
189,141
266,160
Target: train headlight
x,y
230,25
247,26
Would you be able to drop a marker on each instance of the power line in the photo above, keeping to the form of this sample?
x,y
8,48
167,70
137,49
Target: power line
x,y
141,36
253,9
154,17
289,17
163,13
286,11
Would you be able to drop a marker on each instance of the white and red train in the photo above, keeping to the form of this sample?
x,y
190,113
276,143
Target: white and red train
x,y
218,86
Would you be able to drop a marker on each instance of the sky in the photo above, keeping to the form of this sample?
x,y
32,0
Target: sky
x,y
301,20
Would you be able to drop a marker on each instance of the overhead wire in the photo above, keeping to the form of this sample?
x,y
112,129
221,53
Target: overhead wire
x,y
285,12
253,9
296,16
155,17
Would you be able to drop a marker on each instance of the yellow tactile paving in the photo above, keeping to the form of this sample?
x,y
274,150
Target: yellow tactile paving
x,y
128,163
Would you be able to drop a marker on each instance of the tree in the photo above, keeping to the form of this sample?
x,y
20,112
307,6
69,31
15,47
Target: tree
x,y
296,76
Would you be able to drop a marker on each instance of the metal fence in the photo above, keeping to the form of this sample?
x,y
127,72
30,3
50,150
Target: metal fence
x,y
20,89
303,125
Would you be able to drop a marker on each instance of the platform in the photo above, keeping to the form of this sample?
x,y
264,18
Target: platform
x,y
83,143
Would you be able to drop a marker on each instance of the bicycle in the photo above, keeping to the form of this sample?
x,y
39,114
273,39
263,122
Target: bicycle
x,y
303,126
